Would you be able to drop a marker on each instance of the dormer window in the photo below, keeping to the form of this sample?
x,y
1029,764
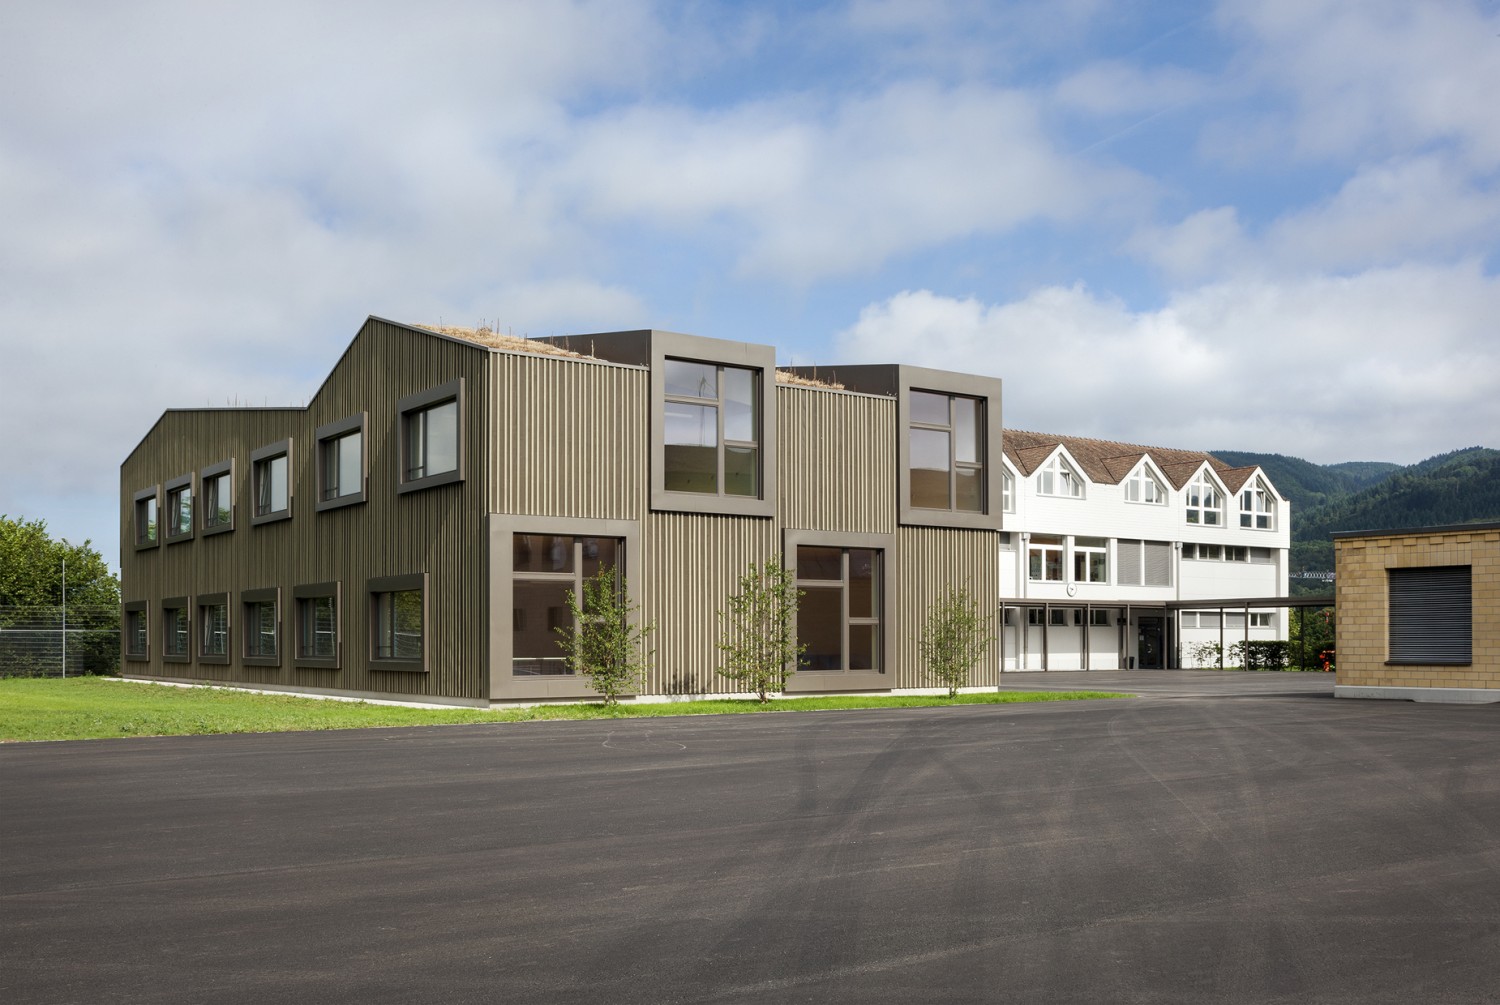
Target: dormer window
x,y
1058,478
711,429
1257,507
947,466
1205,501
1007,491
1143,487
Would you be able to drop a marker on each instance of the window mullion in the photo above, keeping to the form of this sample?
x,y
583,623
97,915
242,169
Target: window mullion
x,y
844,609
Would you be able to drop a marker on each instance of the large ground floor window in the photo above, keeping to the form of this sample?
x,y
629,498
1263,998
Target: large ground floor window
x,y
545,568
839,614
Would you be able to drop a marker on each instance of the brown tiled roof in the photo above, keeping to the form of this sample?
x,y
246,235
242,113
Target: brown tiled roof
x,y
1109,462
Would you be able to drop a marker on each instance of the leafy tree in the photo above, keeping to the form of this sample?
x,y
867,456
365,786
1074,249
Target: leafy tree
x,y
955,638
758,643
31,597
1310,639
604,642
1207,654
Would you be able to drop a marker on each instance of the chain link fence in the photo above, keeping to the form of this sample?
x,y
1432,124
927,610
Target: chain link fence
x,y
55,641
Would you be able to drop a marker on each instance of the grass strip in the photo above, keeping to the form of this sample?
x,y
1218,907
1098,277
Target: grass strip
x,y
86,708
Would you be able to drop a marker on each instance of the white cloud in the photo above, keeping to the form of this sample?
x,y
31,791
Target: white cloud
x,y
1372,366
1113,87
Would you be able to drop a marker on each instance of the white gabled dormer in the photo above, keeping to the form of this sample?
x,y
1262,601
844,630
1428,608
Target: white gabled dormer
x,y
1258,503
1061,476
1204,498
1145,485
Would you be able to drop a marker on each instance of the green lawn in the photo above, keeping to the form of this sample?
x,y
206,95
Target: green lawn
x,y
86,708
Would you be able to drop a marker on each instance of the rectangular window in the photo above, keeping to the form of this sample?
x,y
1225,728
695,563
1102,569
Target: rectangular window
x,y
711,428
1045,558
1036,616
1090,560
213,628
1145,563
839,613
946,452
216,500
180,508
318,611
545,568
431,430
1431,615
260,612
270,475
398,622
1060,617
1099,617
145,502
176,630
137,630
1262,619
341,462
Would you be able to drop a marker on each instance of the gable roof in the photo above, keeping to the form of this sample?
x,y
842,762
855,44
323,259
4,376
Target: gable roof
x,y
1110,462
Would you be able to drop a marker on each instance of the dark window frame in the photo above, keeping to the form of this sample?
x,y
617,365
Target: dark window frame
x,y
379,586
324,439
415,404
317,591
201,603
251,598
208,474
259,457
950,428
502,529
167,654
142,540
849,680
172,490
761,361
986,391
143,608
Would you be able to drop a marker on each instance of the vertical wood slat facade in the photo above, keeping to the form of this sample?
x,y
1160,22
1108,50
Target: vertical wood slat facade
x,y
544,436
350,545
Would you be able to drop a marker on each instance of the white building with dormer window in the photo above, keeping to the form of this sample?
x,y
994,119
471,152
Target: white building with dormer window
x,y
1107,544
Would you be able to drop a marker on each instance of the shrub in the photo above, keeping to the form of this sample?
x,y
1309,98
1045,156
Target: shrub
x,y
604,643
956,637
758,644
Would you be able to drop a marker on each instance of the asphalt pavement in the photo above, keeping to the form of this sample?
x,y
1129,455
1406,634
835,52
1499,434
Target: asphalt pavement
x,y
1239,838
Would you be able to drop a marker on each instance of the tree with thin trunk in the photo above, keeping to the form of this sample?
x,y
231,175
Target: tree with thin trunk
x,y
604,643
957,635
758,642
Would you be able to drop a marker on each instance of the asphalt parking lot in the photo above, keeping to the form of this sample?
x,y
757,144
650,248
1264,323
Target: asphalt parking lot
x,y
1243,838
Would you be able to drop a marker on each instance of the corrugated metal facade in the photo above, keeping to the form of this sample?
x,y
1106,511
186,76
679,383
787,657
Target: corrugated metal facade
x,y
351,544
546,436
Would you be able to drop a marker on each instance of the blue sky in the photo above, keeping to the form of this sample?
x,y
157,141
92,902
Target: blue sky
x,y
1268,226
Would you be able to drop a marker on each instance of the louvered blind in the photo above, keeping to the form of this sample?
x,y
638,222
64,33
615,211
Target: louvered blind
x,y
1431,615
1158,563
1128,555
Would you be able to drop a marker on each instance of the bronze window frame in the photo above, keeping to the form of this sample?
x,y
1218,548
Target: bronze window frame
x,y
263,456
209,474
380,586
248,599
407,409
317,591
325,440
172,493
151,495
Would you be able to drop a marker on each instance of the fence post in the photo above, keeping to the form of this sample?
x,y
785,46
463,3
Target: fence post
x,y
65,617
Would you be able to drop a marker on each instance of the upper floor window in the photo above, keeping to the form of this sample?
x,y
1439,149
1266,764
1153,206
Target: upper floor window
x,y
1144,487
711,429
1007,491
270,476
1205,501
341,462
217,498
947,452
1257,507
1090,560
145,502
1045,558
432,436
1058,478
180,508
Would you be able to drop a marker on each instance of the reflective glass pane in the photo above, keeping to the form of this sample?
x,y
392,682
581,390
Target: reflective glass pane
x,y
818,563
276,483
691,380
599,553
350,478
691,425
969,490
862,644
1054,564
930,408
864,571
929,468
537,610
966,429
406,612
318,636
542,553
820,629
739,404
442,439
741,471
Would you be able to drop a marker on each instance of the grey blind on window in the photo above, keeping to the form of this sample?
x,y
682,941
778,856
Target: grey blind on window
x,y
1128,558
1158,563
1431,615
1262,556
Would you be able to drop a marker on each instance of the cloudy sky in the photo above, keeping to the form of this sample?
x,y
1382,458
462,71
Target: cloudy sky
x,y
1268,226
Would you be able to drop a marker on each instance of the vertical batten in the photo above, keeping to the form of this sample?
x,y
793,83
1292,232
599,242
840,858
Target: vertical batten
x,y
838,460
930,560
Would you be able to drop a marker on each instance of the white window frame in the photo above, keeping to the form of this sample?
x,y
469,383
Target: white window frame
x,y
1203,501
1060,479
1041,546
1257,507
1144,488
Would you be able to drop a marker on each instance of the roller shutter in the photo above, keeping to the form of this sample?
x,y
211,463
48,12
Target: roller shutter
x,y
1431,615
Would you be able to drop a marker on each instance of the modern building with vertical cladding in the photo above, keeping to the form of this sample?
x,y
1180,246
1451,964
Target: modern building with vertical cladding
x,y
413,533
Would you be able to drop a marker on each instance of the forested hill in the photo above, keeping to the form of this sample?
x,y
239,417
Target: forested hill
x,y
1307,485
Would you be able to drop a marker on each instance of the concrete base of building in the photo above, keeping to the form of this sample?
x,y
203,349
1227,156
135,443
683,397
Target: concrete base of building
x,y
1448,695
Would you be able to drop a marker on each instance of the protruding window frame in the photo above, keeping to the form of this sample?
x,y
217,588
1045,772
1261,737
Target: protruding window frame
x,y
269,452
172,490
324,439
849,680
177,604
143,540
315,591
248,598
422,401
208,474
987,390
143,608
378,586
200,604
